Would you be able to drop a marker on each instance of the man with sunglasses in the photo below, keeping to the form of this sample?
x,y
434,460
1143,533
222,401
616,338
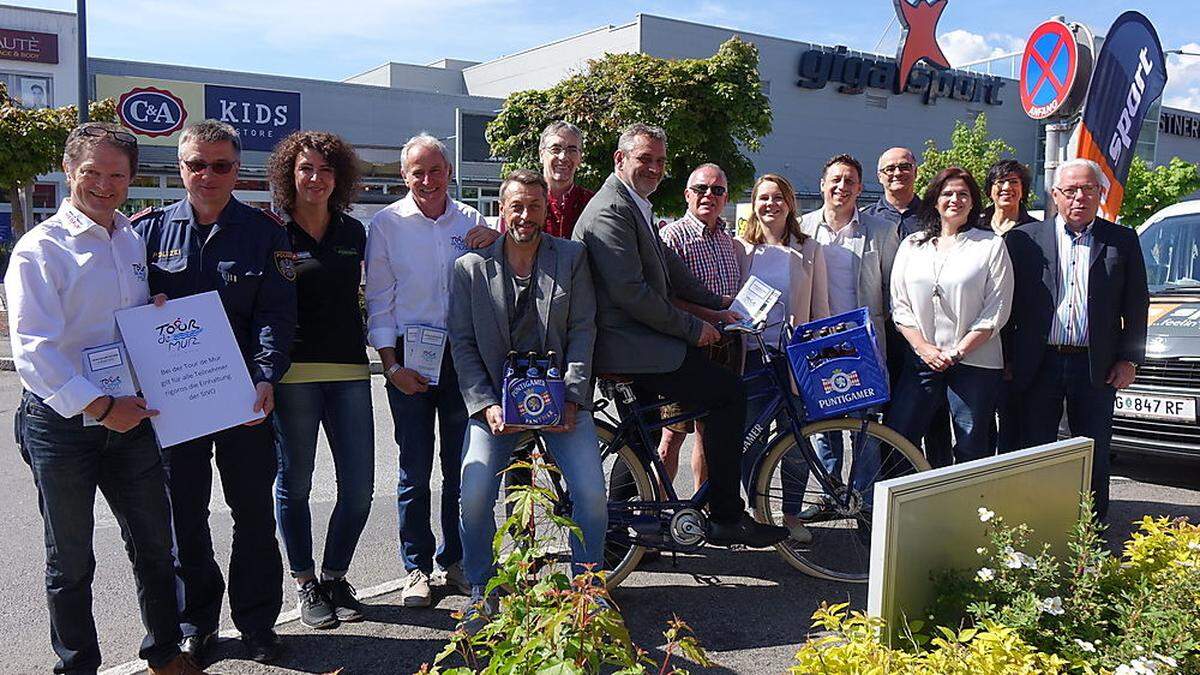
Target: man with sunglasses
x,y
212,242
702,240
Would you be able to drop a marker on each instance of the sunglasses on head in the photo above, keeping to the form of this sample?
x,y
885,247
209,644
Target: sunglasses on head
x,y
96,131
701,189
198,165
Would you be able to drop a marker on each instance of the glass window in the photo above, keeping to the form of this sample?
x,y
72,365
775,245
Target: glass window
x,y
1171,249
145,181
251,184
174,182
45,196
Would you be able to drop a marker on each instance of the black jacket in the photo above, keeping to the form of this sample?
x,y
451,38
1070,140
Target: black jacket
x,y
1117,303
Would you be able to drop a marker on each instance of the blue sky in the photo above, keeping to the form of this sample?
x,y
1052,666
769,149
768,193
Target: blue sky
x,y
332,39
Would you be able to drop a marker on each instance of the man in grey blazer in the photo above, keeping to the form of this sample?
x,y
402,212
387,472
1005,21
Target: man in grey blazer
x,y
641,334
526,292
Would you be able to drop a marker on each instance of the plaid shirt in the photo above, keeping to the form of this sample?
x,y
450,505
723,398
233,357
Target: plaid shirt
x,y
709,254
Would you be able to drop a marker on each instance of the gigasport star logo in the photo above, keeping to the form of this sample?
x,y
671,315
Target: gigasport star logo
x,y
918,37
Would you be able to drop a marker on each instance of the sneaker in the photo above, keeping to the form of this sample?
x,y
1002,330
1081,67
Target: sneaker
x,y
341,596
454,577
821,509
416,589
315,609
479,612
745,531
799,533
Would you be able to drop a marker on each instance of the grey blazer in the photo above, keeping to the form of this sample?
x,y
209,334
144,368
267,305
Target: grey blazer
x,y
875,245
478,321
638,330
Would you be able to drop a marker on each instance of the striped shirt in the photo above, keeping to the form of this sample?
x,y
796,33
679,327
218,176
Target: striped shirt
x,y
1070,327
708,252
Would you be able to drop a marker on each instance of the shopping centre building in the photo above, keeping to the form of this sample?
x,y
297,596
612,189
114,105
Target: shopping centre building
x,y
825,100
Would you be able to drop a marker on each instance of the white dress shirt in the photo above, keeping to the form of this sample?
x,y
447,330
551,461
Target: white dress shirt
x,y
974,288
1070,324
66,277
643,205
841,259
410,258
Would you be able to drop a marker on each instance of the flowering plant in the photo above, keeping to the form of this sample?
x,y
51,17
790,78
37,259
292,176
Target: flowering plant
x,y
1138,613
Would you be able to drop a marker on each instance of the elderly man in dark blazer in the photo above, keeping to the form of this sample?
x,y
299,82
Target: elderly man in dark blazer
x,y
641,334
527,292
1078,325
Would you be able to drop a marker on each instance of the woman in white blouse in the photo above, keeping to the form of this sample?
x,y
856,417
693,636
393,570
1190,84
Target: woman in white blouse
x,y
774,249
952,286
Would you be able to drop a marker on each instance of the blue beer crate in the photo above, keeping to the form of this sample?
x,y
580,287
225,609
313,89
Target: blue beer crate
x,y
534,393
842,372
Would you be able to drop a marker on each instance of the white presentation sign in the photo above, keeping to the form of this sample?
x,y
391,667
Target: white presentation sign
x,y
189,367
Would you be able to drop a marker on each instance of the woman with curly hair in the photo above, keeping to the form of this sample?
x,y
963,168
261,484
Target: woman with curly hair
x,y
314,176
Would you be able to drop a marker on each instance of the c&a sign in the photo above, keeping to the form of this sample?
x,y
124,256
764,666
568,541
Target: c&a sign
x,y
156,111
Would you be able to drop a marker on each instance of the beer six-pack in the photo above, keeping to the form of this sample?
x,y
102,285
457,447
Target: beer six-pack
x,y
838,365
534,393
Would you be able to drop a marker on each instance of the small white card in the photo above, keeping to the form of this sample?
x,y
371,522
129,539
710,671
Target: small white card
x,y
107,367
423,349
755,300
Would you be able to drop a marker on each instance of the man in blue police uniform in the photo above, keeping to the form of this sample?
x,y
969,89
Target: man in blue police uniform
x,y
211,241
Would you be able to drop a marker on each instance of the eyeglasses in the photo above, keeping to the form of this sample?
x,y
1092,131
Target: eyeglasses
x,y
220,166
901,167
569,151
701,189
1085,190
96,131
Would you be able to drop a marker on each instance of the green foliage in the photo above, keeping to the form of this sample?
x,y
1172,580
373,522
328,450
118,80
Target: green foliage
x,y
1098,612
851,645
1148,190
32,140
971,148
547,622
710,108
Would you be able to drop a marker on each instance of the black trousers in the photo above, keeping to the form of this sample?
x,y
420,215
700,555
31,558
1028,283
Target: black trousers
x,y
699,383
247,462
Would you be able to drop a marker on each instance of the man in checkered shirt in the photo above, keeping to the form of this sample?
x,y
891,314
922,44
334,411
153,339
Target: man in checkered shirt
x,y
700,238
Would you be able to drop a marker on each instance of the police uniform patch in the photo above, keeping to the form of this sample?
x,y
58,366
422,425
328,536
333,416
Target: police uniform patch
x,y
285,262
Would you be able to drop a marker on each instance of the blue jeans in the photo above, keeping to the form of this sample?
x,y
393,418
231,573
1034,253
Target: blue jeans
x,y
1067,378
413,417
576,453
344,410
69,462
971,392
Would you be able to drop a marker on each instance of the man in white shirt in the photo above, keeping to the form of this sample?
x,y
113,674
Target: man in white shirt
x,y
411,248
65,280
859,249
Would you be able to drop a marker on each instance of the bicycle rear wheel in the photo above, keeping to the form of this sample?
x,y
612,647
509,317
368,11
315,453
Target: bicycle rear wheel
x,y
831,532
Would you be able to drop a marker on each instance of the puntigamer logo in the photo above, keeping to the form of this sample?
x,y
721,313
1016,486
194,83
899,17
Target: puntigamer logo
x,y
151,111
179,335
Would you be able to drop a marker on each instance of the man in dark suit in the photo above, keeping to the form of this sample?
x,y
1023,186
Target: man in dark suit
x,y
1079,317
641,334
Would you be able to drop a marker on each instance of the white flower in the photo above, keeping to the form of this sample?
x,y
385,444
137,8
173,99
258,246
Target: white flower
x,y
1194,545
1167,660
1016,560
985,514
981,550
1088,569
1138,666
1051,605
1139,648
985,574
1085,645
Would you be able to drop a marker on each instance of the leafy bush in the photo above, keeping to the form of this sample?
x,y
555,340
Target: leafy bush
x,y
1139,613
548,622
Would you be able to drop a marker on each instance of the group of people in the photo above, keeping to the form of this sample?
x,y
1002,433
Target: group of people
x,y
984,314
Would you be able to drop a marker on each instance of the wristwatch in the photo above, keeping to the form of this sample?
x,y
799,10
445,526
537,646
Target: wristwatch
x,y
393,370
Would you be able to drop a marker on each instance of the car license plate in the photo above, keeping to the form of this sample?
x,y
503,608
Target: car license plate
x,y
1154,407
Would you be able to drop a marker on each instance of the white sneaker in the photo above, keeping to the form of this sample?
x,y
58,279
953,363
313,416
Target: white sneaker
x,y
416,590
454,577
798,532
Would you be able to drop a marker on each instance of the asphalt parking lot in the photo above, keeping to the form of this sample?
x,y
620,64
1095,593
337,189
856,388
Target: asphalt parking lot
x,y
748,608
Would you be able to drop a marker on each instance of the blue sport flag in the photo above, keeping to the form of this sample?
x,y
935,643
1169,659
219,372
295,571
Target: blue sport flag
x,y
1129,75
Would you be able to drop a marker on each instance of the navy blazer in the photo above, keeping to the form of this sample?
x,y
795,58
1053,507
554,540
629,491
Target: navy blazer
x,y
1117,302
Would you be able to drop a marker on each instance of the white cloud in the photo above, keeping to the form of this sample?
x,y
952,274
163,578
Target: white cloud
x,y
1183,79
962,46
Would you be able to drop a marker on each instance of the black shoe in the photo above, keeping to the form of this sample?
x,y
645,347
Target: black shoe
x,y
341,595
746,532
198,646
262,645
316,611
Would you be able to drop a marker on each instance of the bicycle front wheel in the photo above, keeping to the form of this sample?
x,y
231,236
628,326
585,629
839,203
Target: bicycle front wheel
x,y
831,533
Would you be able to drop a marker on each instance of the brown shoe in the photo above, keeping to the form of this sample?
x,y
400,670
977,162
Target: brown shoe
x,y
180,665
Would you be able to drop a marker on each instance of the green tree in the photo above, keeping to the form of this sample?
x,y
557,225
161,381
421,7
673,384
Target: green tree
x,y
31,144
971,148
711,109
1148,190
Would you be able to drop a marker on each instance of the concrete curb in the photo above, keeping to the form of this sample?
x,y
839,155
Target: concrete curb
x,y
138,666
6,363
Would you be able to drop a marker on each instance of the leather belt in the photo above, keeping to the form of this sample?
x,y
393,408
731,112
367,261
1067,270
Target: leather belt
x,y
1067,349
